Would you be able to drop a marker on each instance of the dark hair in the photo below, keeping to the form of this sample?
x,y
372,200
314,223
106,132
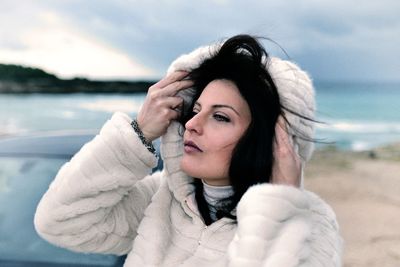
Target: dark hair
x,y
242,60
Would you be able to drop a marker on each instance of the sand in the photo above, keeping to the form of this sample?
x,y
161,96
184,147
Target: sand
x,y
364,190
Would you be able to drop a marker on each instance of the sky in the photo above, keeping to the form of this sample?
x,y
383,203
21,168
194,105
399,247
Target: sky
x,y
334,40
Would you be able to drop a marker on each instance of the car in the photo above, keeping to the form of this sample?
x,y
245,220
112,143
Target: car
x,y
28,164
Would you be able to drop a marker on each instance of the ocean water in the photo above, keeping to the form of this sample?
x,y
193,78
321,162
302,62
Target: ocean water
x,y
354,116
358,116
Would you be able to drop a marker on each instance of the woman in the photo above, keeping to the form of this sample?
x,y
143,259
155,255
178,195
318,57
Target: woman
x,y
235,129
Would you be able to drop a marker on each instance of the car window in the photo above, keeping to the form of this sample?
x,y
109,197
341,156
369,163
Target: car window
x,y
22,183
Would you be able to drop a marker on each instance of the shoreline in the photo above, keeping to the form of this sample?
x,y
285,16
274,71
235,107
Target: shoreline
x,y
363,188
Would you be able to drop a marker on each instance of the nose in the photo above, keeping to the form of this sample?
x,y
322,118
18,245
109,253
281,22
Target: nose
x,y
195,124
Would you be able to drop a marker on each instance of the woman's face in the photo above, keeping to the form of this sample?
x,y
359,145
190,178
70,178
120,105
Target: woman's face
x,y
221,116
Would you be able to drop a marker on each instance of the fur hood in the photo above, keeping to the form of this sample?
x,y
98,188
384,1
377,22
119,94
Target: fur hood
x,y
295,90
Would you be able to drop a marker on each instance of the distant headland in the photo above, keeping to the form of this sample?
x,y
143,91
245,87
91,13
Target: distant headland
x,y
22,80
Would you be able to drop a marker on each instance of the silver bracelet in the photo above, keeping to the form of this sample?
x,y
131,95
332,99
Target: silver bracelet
x,y
139,132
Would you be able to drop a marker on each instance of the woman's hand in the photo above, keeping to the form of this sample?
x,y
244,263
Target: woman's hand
x,y
159,107
287,165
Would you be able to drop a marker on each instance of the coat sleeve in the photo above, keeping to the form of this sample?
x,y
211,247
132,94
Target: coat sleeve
x,y
284,226
98,198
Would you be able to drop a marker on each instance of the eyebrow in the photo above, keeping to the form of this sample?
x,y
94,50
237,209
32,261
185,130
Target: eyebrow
x,y
220,106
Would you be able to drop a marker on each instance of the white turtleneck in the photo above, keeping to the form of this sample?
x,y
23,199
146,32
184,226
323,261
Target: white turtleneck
x,y
213,194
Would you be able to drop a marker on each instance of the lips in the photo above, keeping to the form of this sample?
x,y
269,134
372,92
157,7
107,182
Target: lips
x,y
190,146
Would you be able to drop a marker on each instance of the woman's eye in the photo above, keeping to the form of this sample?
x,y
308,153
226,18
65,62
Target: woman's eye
x,y
222,118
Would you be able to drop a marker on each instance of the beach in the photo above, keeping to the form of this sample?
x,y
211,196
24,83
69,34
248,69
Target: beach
x,y
363,188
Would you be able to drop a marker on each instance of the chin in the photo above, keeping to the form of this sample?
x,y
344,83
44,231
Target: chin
x,y
196,170
189,168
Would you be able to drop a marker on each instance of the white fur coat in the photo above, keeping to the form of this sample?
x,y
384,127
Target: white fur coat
x,y
105,201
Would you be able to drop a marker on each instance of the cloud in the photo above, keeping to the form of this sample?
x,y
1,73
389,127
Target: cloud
x,y
347,38
67,52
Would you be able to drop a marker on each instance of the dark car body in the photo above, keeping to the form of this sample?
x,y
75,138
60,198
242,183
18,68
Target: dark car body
x,y
28,164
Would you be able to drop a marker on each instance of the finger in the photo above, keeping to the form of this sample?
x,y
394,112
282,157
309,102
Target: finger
x,y
280,131
175,114
281,121
173,77
173,88
173,102
170,115
282,137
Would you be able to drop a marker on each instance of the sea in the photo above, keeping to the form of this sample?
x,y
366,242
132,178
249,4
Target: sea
x,y
351,116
